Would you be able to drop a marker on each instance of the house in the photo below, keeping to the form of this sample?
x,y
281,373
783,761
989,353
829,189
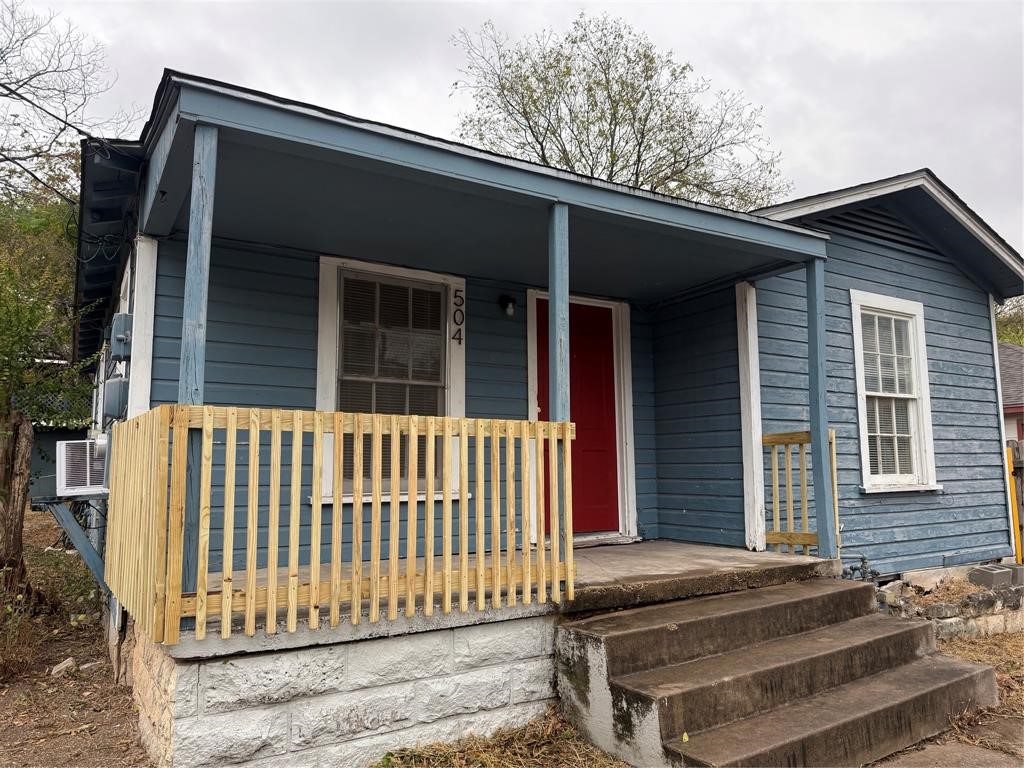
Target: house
x,y
383,395
1011,376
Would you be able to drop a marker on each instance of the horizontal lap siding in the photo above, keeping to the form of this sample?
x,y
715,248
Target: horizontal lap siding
x,y
700,465
644,423
897,532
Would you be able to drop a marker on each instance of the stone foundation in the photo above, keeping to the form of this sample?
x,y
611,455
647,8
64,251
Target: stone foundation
x,y
990,612
343,704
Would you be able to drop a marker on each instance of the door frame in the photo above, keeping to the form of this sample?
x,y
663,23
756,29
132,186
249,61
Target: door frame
x,y
622,361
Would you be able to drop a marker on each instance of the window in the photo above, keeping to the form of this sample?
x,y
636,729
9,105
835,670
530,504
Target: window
x,y
390,340
892,393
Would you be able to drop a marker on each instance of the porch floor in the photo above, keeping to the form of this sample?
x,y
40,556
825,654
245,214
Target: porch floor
x,y
624,575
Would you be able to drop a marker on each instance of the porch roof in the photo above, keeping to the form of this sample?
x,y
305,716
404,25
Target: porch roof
x,y
298,176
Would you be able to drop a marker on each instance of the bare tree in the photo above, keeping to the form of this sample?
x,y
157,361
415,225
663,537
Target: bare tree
x,y
50,71
602,101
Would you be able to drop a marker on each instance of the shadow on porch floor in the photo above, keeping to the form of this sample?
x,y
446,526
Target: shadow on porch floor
x,y
620,576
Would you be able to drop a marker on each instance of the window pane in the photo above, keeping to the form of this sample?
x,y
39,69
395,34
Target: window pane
x,y
873,454
904,455
426,310
867,326
871,373
390,398
902,408
873,415
394,306
888,455
394,354
904,376
359,301
888,373
427,356
355,396
902,328
885,418
357,351
885,341
425,401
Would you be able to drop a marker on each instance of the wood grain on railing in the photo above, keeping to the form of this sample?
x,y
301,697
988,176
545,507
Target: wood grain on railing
x,y
504,535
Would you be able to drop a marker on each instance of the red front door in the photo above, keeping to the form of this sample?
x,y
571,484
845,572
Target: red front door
x,y
595,492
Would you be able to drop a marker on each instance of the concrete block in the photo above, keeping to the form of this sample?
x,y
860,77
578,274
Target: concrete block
x,y
533,681
232,737
1017,575
501,642
397,659
248,681
462,694
339,717
991,576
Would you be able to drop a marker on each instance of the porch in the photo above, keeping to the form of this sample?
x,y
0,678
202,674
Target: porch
x,y
249,334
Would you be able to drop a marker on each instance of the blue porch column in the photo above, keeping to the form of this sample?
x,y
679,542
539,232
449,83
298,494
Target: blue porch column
x,y
558,312
192,364
817,386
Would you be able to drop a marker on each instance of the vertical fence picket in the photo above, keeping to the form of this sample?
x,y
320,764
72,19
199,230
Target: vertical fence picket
x,y
803,494
541,526
478,489
446,513
788,462
203,542
338,484
160,505
776,516
274,518
228,559
510,513
526,509
411,526
463,515
357,518
376,470
176,526
252,522
294,521
428,521
570,561
316,519
394,518
554,512
495,513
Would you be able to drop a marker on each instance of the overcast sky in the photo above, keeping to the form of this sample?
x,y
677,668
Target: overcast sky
x,y
851,91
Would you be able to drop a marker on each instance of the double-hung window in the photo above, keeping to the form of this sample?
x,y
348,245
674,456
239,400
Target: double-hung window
x,y
892,393
391,341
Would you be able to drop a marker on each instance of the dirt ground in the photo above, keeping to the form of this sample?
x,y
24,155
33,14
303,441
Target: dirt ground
x,y
82,719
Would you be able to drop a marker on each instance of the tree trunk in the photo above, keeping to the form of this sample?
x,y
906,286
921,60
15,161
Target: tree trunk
x,y
15,466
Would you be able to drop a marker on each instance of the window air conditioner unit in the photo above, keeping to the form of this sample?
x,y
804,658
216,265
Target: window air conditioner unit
x,y
79,468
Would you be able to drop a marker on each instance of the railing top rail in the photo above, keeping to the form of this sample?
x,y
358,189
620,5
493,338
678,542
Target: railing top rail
x,y
458,424
786,438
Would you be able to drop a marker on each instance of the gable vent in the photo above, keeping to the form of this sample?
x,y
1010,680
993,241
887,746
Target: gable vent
x,y
79,470
879,223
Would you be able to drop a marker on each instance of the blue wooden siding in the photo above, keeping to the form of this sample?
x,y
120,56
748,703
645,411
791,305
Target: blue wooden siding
x,y
645,448
700,463
261,350
897,531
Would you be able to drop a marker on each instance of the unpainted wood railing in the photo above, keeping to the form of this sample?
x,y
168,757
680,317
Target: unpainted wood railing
x,y
797,531
497,546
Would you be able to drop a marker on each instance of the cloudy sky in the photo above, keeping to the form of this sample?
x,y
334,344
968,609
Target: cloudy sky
x,y
852,91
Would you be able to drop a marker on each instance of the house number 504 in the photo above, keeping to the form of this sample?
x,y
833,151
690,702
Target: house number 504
x,y
458,314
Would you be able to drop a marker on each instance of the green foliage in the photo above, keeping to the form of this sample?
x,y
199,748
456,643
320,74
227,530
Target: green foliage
x,y
602,101
37,274
1010,321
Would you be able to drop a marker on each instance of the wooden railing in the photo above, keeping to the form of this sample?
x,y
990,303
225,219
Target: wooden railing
x,y
797,531
497,492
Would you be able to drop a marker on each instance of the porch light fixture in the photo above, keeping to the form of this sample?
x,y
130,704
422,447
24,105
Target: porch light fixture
x,y
507,304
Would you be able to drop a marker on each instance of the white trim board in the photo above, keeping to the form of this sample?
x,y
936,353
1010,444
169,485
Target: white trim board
x,y
922,416
1014,533
327,345
622,357
750,415
140,379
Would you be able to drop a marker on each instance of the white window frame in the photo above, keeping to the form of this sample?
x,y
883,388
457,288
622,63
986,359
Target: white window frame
x,y
924,478
327,351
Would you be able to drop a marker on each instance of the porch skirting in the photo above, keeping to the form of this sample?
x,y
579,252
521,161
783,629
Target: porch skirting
x,y
343,704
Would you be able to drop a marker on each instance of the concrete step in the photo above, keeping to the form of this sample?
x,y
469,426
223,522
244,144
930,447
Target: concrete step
x,y
671,633
850,725
716,690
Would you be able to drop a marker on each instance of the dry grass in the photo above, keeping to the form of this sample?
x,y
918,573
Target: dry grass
x,y
548,741
947,591
1005,654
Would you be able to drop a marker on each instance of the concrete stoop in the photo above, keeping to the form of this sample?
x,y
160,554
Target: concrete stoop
x,y
803,673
